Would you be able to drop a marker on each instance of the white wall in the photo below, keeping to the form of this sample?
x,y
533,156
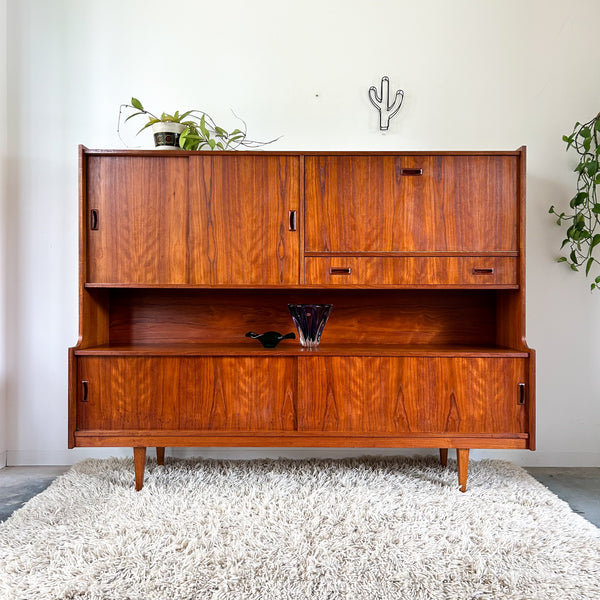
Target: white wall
x,y
477,75
3,287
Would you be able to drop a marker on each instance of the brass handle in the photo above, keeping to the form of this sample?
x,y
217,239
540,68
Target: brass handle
x,y
292,220
340,270
411,172
84,385
483,271
94,219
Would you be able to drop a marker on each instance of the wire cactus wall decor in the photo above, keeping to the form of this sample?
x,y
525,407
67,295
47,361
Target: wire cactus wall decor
x,y
382,102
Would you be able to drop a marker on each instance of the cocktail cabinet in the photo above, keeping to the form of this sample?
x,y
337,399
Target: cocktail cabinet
x,y
421,254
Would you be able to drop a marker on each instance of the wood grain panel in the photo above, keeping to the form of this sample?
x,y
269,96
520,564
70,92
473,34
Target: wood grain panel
x,y
172,393
361,317
416,395
489,271
239,220
366,204
142,220
239,394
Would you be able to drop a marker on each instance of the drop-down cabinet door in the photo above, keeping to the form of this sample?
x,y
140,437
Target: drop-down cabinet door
x,y
244,220
411,203
136,221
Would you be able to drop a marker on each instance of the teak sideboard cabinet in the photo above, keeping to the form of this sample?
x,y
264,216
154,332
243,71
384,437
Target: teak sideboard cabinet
x,y
422,255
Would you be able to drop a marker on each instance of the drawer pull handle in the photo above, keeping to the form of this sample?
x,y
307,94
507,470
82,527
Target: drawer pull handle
x,y
411,172
340,270
94,219
84,385
292,220
521,398
482,271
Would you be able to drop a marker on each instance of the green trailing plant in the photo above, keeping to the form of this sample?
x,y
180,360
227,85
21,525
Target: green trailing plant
x,y
200,130
582,237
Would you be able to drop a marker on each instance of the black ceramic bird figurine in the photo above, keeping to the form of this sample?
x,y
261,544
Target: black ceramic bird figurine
x,y
270,339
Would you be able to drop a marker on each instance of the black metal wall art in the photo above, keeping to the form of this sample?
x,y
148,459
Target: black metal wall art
x,y
382,102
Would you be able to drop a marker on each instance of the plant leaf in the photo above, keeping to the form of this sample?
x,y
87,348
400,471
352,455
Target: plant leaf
x,y
589,264
137,104
133,115
203,128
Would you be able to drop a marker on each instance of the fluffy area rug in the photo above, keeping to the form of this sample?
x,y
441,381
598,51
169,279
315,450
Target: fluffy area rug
x,y
352,529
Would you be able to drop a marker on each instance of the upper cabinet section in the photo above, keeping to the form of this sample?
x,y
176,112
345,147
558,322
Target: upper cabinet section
x,y
243,219
411,203
255,219
137,219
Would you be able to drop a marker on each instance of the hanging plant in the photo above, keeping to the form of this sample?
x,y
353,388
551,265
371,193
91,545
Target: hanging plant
x,y
582,237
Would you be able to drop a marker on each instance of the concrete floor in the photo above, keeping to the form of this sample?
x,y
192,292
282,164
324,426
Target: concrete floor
x,y
20,484
580,487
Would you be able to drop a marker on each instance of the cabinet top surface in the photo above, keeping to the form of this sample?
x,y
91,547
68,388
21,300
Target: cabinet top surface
x,y
154,152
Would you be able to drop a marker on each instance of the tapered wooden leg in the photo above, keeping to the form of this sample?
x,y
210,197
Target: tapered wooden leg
x,y
139,462
462,458
160,456
444,457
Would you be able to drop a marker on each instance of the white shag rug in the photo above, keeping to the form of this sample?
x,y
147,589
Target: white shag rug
x,y
352,529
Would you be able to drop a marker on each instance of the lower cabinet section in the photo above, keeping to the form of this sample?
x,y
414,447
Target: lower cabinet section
x,y
327,394
302,399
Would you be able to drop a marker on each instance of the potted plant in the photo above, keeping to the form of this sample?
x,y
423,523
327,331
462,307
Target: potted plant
x,y
583,220
190,130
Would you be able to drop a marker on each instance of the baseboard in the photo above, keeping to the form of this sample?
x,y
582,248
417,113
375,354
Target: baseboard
x,y
3,459
523,458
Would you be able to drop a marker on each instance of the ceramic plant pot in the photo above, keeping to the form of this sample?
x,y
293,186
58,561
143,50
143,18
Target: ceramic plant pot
x,y
166,134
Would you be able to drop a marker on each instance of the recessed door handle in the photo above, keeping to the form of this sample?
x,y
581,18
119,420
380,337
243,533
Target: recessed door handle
x,y
411,172
340,270
94,219
522,394
292,220
84,386
483,271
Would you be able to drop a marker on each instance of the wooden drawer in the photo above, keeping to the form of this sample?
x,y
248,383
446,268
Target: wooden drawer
x,y
183,393
398,395
412,270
